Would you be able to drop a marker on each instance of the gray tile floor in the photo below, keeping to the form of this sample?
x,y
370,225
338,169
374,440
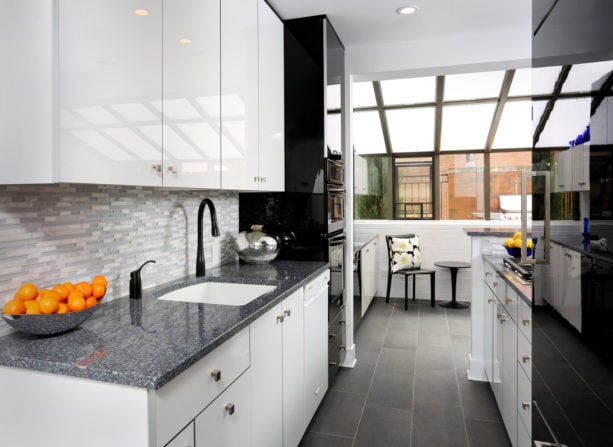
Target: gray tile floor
x,y
409,387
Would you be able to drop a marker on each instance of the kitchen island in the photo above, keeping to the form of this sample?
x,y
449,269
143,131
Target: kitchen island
x,y
118,376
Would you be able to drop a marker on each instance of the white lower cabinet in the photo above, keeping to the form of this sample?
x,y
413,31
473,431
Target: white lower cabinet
x,y
368,260
277,375
185,438
508,357
226,421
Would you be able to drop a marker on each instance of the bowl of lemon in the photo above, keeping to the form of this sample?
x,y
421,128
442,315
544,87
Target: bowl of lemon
x,y
53,310
513,245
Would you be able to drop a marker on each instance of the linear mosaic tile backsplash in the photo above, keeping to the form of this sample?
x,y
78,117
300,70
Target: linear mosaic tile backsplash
x,y
68,232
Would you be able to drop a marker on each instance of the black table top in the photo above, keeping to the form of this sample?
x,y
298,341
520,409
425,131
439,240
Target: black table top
x,y
452,264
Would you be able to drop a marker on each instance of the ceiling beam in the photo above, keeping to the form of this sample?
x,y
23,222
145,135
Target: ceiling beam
x,y
557,89
502,100
382,116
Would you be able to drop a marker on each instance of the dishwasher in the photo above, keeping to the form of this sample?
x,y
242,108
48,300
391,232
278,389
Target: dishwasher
x,y
315,344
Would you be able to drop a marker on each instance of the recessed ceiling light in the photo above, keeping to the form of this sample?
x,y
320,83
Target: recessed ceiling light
x,y
407,10
141,12
185,40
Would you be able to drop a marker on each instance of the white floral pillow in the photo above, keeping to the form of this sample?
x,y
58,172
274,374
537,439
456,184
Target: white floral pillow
x,y
405,254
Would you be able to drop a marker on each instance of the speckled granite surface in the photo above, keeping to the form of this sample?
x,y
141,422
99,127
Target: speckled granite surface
x,y
145,343
525,292
575,244
498,232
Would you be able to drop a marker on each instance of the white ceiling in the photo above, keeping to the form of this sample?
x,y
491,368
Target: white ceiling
x,y
375,22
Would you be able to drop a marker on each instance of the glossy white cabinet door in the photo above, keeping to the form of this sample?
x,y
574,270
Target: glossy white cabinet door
x,y
368,261
239,94
191,138
266,378
271,102
570,290
27,109
185,438
227,421
581,167
293,369
110,91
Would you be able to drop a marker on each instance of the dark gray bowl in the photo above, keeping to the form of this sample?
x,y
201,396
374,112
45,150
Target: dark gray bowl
x,y
49,324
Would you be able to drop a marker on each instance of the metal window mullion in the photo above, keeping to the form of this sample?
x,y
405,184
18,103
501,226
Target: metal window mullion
x,y
557,89
436,164
382,117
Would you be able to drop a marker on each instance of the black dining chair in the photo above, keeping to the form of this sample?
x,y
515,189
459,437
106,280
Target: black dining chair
x,y
409,269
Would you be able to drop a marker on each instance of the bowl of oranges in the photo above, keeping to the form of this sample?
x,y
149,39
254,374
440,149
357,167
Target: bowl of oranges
x,y
54,310
513,245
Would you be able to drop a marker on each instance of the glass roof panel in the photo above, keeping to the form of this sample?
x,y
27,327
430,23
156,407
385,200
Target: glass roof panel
x,y
363,94
522,83
466,126
581,76
515,127
333,96
411,130
367,134
544,79
409,91
567,120
473,85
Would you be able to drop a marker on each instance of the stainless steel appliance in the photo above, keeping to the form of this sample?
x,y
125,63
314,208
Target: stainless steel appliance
x,y
335,173
335,198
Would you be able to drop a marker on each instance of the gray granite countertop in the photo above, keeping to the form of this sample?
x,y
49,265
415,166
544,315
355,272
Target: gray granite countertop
x,y
575,244
145,343
498,232
524,291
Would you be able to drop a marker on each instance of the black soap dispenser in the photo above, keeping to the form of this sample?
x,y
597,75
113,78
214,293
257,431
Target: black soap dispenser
x,y
136,290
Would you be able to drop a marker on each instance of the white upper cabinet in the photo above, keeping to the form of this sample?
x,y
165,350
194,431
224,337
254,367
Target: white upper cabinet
x,y
271,104
191,109
27,48
110,91
239,94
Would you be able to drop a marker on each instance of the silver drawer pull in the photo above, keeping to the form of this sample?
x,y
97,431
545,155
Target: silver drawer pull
x,y
230,409
488,273
509,301
526,322
172,169
332,364
525,359
287,312
263,179
502,318
216,375
525,405
490,301
341,322
495,284
280,318
331,336
157,167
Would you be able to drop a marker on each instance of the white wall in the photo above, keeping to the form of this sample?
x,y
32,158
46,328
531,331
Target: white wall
x,y
444,240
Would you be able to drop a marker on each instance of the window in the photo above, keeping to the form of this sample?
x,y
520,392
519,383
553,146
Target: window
x,y
461,186
413,188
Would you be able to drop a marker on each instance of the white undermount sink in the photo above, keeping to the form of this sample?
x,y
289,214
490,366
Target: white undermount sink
x,y
226,293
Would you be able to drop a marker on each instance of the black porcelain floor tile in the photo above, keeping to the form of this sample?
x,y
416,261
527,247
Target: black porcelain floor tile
x,y
354,380
397,338
486,434
313,439
436,387
478,401
434,357
367,350
384,427
390,389
397,360
605,394
588,415
437,425
338,414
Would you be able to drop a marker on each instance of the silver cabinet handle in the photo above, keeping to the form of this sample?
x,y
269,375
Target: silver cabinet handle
x,y
172,169
256,179
341,322
525,322
230,409
331,336
581,183
263,179
216,375
525,359
502,318
495,284
509,301
525,405
488,273
280,318
287,312
524,218
157,167
332,364
490,301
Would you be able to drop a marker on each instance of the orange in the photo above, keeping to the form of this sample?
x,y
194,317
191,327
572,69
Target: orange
x,y
85,288
48,305
32,307
99,279
27,292
62,308
98,290
14,307
68,285
76,303
91,301
44,293
62,291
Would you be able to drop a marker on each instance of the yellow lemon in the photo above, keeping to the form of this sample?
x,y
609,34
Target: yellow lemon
x,y
517,235
517,243
529,243
508,243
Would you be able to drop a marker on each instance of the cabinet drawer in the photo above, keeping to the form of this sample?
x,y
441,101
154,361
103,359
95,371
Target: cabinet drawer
x,y
495,282
227,421
524,354
524,436
510,303
524,319
524,397
180,400
185,438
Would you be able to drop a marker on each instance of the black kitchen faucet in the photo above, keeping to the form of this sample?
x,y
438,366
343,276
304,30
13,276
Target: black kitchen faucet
x,y
200,266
